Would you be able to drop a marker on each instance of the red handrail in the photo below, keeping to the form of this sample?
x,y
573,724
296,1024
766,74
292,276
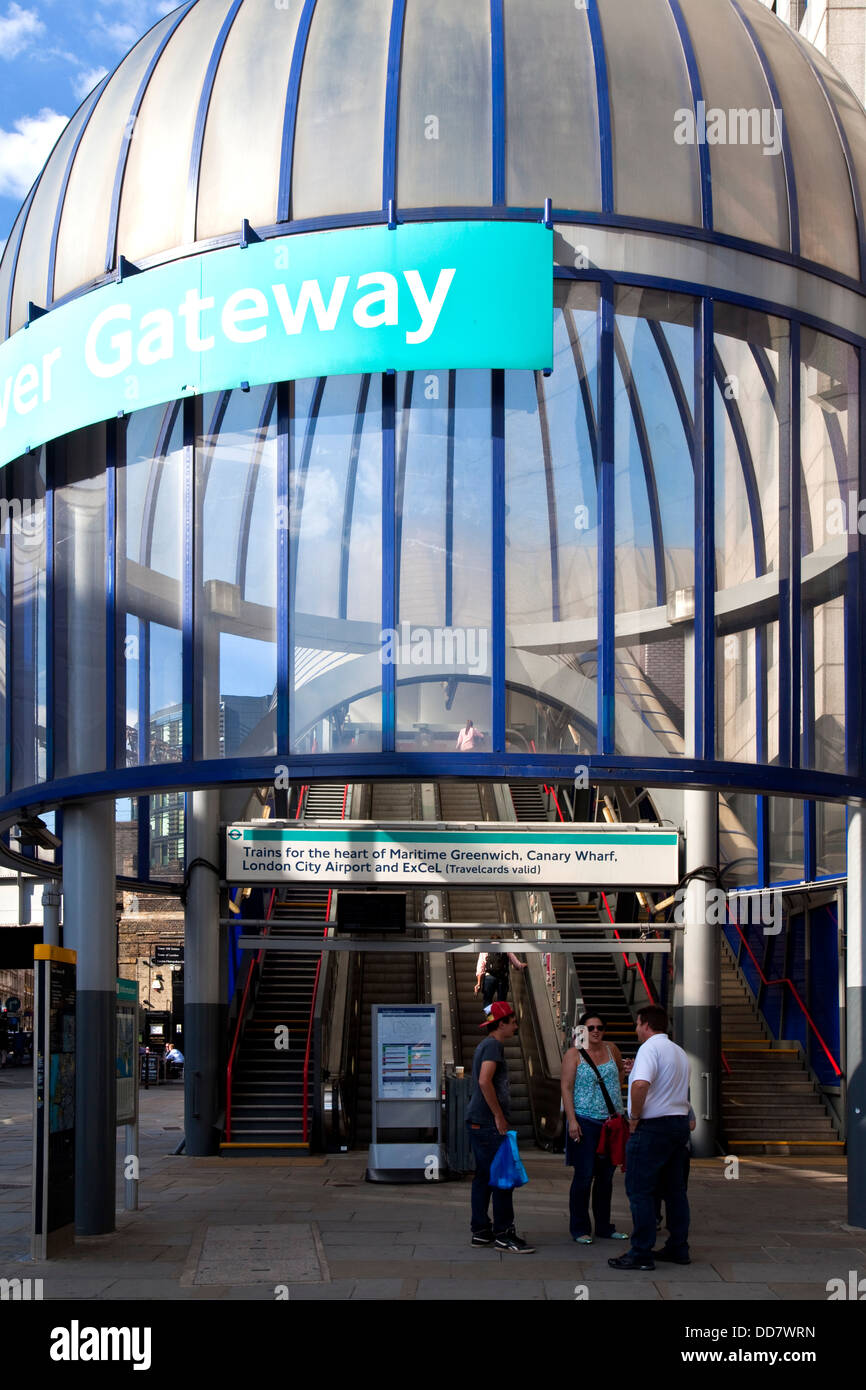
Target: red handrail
x,y
241,1013
306,1087
784,980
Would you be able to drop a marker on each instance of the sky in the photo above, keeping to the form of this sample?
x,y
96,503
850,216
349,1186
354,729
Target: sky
x,y
52,53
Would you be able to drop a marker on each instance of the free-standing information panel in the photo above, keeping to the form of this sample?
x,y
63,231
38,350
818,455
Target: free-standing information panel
x,y
407,1067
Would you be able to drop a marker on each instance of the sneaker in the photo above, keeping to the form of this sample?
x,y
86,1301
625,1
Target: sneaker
x,y
483,1237
582,1240
510,1240
632,1260
671,1257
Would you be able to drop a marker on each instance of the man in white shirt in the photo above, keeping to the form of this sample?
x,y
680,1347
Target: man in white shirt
x,y
658,1150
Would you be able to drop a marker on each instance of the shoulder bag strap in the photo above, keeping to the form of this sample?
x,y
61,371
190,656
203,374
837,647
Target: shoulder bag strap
x,y
612,1111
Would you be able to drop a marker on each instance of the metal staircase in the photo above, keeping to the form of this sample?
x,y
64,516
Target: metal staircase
x,y
268,1084
769,1102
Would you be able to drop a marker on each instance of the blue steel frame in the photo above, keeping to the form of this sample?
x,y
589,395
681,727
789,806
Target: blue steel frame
x,y
701,765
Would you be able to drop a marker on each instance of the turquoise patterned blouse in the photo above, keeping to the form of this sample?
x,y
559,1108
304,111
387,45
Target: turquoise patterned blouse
x,y
588,1099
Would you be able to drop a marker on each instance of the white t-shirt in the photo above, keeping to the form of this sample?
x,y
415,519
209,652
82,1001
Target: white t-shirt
x,y
666,1067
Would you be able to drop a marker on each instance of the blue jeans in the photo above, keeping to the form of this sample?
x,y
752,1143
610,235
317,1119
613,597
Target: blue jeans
x,y
657,1159
493,987
485,1143
592,1173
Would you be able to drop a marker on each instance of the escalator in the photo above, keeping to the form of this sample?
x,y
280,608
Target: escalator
x,y
461,801
271,1070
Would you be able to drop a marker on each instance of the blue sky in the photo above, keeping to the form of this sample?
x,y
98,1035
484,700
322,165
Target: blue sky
x,y
52,52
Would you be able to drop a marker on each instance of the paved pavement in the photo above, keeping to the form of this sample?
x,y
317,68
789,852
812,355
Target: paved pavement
x,y
310,1228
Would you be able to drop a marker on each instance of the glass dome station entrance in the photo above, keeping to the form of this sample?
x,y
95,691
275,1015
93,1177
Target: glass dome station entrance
x,y
409,414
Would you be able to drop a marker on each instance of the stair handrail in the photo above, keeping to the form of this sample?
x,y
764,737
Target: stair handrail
x,y
241,1021
305,1125
785,980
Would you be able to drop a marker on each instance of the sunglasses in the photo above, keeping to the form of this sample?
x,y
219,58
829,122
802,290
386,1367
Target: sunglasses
x,y
595,1028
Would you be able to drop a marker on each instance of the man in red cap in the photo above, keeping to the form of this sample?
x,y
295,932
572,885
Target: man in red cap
x,y
487,1122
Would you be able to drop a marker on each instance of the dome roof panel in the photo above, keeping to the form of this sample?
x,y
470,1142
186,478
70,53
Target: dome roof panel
x,y
153,205
552,146
750,198
649,83
446,112
240,166
83,240
340,132
213,80
31,272
828,231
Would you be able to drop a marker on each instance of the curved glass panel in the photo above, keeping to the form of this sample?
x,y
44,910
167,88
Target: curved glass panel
x,y
240,166
150,586
828,232
750,198
829,533
640,40
29,678
31,275
340,131
552,536
752,441
850,114
441,647
335,565
83,236
6,269
236,575
79,619
654,520
444,141
154,201
552,143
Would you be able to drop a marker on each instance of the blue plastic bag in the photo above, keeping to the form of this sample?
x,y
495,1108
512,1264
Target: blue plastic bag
x,y
506,1170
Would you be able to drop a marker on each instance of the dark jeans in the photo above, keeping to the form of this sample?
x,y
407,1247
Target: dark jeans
x,y
592,1173
485,1145
657,1159
493,987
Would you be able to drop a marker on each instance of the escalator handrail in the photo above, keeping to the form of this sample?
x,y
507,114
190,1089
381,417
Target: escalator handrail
x,y
241,1019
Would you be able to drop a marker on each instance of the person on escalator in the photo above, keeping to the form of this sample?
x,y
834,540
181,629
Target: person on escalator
x,y
491,974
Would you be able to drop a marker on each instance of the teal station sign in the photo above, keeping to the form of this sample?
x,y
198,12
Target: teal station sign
x,y
424,296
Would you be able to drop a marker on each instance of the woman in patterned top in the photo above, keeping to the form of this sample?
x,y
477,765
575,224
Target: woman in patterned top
x,y
585,1113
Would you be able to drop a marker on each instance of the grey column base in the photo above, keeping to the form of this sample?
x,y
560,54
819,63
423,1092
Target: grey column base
x,y
203,1077
856,1116
95,1111
700,1034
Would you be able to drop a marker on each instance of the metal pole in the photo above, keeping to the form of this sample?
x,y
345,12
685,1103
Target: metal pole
x,y
699,1012
202,1007
51,914
855,1015
90,930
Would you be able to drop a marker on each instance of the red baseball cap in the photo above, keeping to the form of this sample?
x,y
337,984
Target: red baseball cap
x,y
498,1012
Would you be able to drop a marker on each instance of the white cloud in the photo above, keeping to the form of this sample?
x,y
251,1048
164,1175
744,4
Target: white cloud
x,y
17,30
25,148
84,82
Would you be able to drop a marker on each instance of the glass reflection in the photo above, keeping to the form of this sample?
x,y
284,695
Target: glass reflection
x,y
441,645
335,565
551,538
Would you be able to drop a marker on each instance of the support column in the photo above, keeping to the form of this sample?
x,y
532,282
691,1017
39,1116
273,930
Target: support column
x,y
855,1015
90,930
699,1012
202,1006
